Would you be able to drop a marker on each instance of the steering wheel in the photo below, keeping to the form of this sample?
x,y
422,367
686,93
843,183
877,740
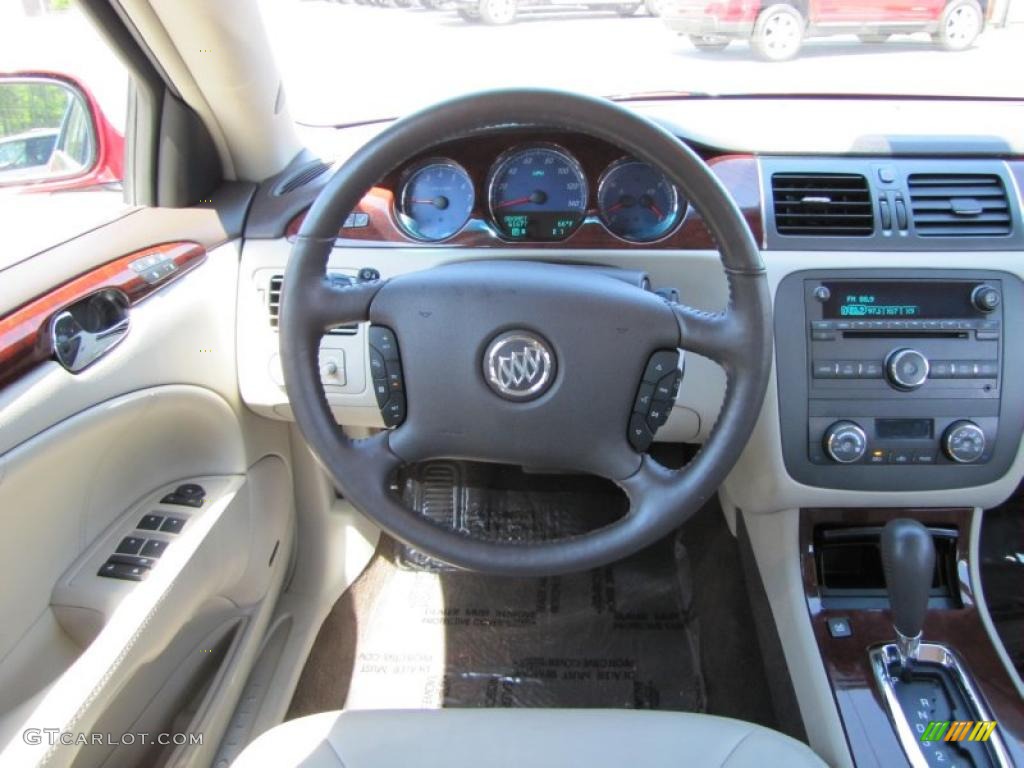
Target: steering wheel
x,y
586,333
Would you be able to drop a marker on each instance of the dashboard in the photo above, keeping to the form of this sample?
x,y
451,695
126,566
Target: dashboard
x,y
904,241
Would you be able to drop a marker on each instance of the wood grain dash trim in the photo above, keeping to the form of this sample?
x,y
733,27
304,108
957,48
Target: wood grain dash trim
x,y
24,337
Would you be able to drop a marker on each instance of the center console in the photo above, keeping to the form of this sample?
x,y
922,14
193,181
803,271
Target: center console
x,y
900,380
907,654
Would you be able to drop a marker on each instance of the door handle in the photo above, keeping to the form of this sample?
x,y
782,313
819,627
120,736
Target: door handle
x,y
88,329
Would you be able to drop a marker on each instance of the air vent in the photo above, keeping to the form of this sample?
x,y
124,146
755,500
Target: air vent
x,y
274,309
822,204
301,177
959,205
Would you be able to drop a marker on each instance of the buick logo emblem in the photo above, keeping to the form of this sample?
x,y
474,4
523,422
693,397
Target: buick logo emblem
x,y
519,365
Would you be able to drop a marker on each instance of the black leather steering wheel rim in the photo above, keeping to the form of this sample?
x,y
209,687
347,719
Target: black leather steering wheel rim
x,y
738,338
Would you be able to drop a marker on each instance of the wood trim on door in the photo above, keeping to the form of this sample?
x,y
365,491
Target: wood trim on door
x,y
24,333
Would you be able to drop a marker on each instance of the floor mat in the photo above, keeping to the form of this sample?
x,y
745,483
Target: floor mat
x,y
430,637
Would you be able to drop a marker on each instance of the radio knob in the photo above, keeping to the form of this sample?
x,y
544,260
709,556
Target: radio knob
x,y
985,298
845,442
964,441
906,368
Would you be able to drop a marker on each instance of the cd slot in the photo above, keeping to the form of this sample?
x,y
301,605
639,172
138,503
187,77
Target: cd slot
x,y
906,335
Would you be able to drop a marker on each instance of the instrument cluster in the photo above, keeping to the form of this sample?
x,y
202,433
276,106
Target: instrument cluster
x,y
536,191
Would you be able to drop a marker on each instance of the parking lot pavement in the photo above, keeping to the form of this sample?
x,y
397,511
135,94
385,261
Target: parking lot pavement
x,y
382,61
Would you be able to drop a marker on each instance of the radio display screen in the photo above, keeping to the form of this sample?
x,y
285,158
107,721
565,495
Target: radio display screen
x,y
878,300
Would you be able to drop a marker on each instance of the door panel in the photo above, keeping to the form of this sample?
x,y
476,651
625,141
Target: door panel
x,y
84,456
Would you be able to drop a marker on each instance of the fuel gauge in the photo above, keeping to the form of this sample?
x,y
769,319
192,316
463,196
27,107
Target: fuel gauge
x,y
637,202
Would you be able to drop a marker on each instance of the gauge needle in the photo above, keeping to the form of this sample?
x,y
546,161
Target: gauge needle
x,y
615,207
539,197
517,201
438,202
655,209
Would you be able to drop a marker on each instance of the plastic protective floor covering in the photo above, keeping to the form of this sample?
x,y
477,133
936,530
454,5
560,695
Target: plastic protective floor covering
x,y
413,633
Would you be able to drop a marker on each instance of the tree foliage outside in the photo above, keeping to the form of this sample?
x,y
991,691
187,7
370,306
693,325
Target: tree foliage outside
x,y
29,106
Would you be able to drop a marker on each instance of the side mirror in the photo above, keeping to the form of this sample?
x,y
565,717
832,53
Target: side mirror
x,y
54,137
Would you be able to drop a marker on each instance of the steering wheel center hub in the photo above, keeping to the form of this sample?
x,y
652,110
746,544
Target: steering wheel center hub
x,y
519,365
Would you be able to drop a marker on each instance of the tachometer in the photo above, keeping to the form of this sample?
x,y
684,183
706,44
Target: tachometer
x,y
636,201
436,199
537,192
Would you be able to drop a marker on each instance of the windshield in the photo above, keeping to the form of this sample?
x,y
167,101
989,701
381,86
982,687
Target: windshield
x,y
358,61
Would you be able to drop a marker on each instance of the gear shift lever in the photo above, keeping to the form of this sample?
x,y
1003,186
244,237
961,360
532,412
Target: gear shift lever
x,y
908,560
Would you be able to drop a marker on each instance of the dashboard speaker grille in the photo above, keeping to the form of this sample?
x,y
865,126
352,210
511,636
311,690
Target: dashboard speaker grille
x,y
301,177
822,204
274,308
959,205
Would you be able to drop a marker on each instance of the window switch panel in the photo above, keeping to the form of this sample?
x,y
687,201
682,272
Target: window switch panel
x,y
136,560
153,548
113,570
150,522
173,524
130,545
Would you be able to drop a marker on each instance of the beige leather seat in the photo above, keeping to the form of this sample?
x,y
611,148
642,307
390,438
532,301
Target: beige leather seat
x,y
522,738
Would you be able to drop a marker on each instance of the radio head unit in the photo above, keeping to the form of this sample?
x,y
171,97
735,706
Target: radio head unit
x,y
879,371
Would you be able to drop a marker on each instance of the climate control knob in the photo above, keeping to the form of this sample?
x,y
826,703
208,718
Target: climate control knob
x,y
964,441
906,369
845,442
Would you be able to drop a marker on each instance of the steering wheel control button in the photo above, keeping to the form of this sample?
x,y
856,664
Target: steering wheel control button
x,y
519,366
173,524
655,398
658,414
845,442
964,442
644,398
395,380
388,379
640,435
130,545
150,522
394,411
906,369
661,364
668,387
383,340
378,369
380,389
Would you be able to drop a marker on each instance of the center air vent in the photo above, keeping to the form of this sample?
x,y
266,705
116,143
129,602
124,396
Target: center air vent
x,y
822,204
274,309
959,205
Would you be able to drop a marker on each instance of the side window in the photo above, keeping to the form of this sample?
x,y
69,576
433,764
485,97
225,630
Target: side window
x,y
63,101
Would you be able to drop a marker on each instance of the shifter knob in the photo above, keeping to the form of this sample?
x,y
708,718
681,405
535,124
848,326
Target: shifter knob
x,y
908,559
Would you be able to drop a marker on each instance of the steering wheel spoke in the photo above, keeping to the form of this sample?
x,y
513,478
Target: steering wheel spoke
x,y
711,334
729,337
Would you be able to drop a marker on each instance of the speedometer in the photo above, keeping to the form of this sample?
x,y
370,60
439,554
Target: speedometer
x,y
537,192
